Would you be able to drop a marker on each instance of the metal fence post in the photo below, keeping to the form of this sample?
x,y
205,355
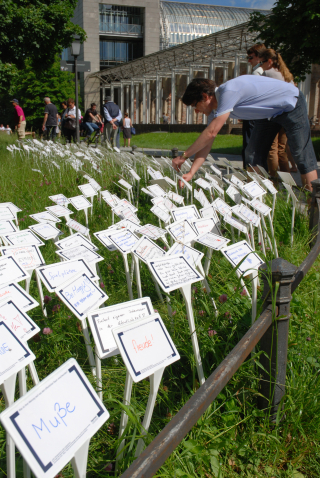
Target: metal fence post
x,y
274,343
314,213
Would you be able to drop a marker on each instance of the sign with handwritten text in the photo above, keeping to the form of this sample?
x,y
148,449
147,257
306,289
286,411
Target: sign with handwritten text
x,y
134,174
80,252
7,227
213,241
18,295
125,184
234,223
152,231
269,185
145,346
60,199
54,419
161,214
87,190
216,170
23,238
186,212
94,183
182,231
81,294
239,251
13,208
54,275
75,240
102,321
234,194
76,226
6,214
253,189
203,184
209,211
173,272
14,354
221,206
146,250
17,321
80,203
28,257
59,210
11,271
45,230
124,240
175,197
45,216
156,190
261,207
192,255
102,236
202,226
249,215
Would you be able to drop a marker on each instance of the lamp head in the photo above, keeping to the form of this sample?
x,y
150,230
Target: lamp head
x,y
75,46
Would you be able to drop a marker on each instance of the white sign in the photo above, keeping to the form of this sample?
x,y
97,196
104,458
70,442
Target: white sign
x,y
11,206
55,275
186,212
185,183
45,230
147,192
156,190
209,211
81,294
88,190
290,191
216,170
18,295
125,184
45,216
173,272
102,236
124,240
253,189
202,198
261,207
287,178
76,226
60,199
80,203
237,252
14,355
127,213
49,425
237,181
75,240
213,241
161,214
234,223
221,206
202,226
106,194
234,194
28,257
152,231
124,202
11,271
80,252
250,215
59,210
134,174
102,321
111,201
269,186
192,255
18,322
145,346
170,181
175,197
6,214
203,184
182,231
7,227
94,183
146,250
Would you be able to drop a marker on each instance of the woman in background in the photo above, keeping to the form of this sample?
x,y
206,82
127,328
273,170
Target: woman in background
x,y
127,125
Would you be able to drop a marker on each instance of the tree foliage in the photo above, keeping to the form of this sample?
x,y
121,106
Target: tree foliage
x,y
36,30
30,87
293,29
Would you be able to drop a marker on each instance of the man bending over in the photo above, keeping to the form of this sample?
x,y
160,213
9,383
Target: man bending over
x,y
271,103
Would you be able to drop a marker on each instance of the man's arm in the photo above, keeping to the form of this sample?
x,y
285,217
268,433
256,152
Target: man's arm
x,y
107,115
44,121
204,142
200,158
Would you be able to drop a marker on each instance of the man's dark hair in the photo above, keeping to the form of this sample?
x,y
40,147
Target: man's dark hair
x,y
93,104
195,90
256,49
64,103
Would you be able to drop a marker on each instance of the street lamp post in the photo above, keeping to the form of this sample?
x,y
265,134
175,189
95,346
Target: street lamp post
x,y
75,52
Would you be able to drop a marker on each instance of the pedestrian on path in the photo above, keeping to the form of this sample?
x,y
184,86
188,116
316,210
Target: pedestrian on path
x,y
19,119
112,117
127,125
50,119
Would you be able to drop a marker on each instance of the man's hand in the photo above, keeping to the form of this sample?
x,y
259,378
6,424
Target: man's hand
x,y
114,126
177,163
43,127
187,177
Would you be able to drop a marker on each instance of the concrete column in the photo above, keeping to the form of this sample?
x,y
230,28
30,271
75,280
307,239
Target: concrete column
x,y
132,101
112,91
305,88
122,97
137,103
189,109
249,71
127,100
144,97
236,66
157,118
148,102
212,70
161,100
204,117
225,72
173,97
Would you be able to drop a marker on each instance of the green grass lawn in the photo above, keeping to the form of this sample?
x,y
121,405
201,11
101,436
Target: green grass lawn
x,y
233,439
228,144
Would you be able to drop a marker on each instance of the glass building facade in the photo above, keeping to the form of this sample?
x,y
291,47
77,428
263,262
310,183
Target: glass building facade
x,y
183,22
114,52
121,20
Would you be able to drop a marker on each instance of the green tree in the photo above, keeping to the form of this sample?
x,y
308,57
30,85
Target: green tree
x,y
36,30
293,29
30,87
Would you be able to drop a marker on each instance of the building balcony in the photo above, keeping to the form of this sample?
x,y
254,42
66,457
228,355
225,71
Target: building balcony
x,y
124,29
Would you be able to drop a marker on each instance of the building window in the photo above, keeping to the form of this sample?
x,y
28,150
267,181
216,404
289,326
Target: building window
x,y
114,53
121,20
65,54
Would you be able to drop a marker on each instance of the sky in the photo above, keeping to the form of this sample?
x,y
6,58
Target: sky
x,y
260,4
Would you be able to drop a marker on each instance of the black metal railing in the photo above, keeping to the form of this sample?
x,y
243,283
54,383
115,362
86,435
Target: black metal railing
x,y
271,329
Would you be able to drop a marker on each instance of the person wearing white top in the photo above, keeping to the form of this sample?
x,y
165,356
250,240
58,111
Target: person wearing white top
x,y
2,128
8,130
69,125
271,103
127,124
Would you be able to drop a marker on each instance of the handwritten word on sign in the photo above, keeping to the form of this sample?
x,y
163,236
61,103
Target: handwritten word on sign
x,y
18,295
161,214
146,250
182,231
88,190
14,355
102,236
124,240
6,214
239,251
11,271
151,231
59,210
81,294
55,275
60,199
173,272
102,321
253,189
75,240
80,203
54,419
6,227
23,238
145,346
18,322
192,255
76,226
28,257
186,212
80,252
45,216
213,241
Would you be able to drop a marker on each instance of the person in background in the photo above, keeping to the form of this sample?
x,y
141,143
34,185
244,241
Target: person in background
x,y
58,130
127,125
255,62
274,67
8,130
91,120
50,119
19,119
64,106
71,115
165,119
2,128
112,116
